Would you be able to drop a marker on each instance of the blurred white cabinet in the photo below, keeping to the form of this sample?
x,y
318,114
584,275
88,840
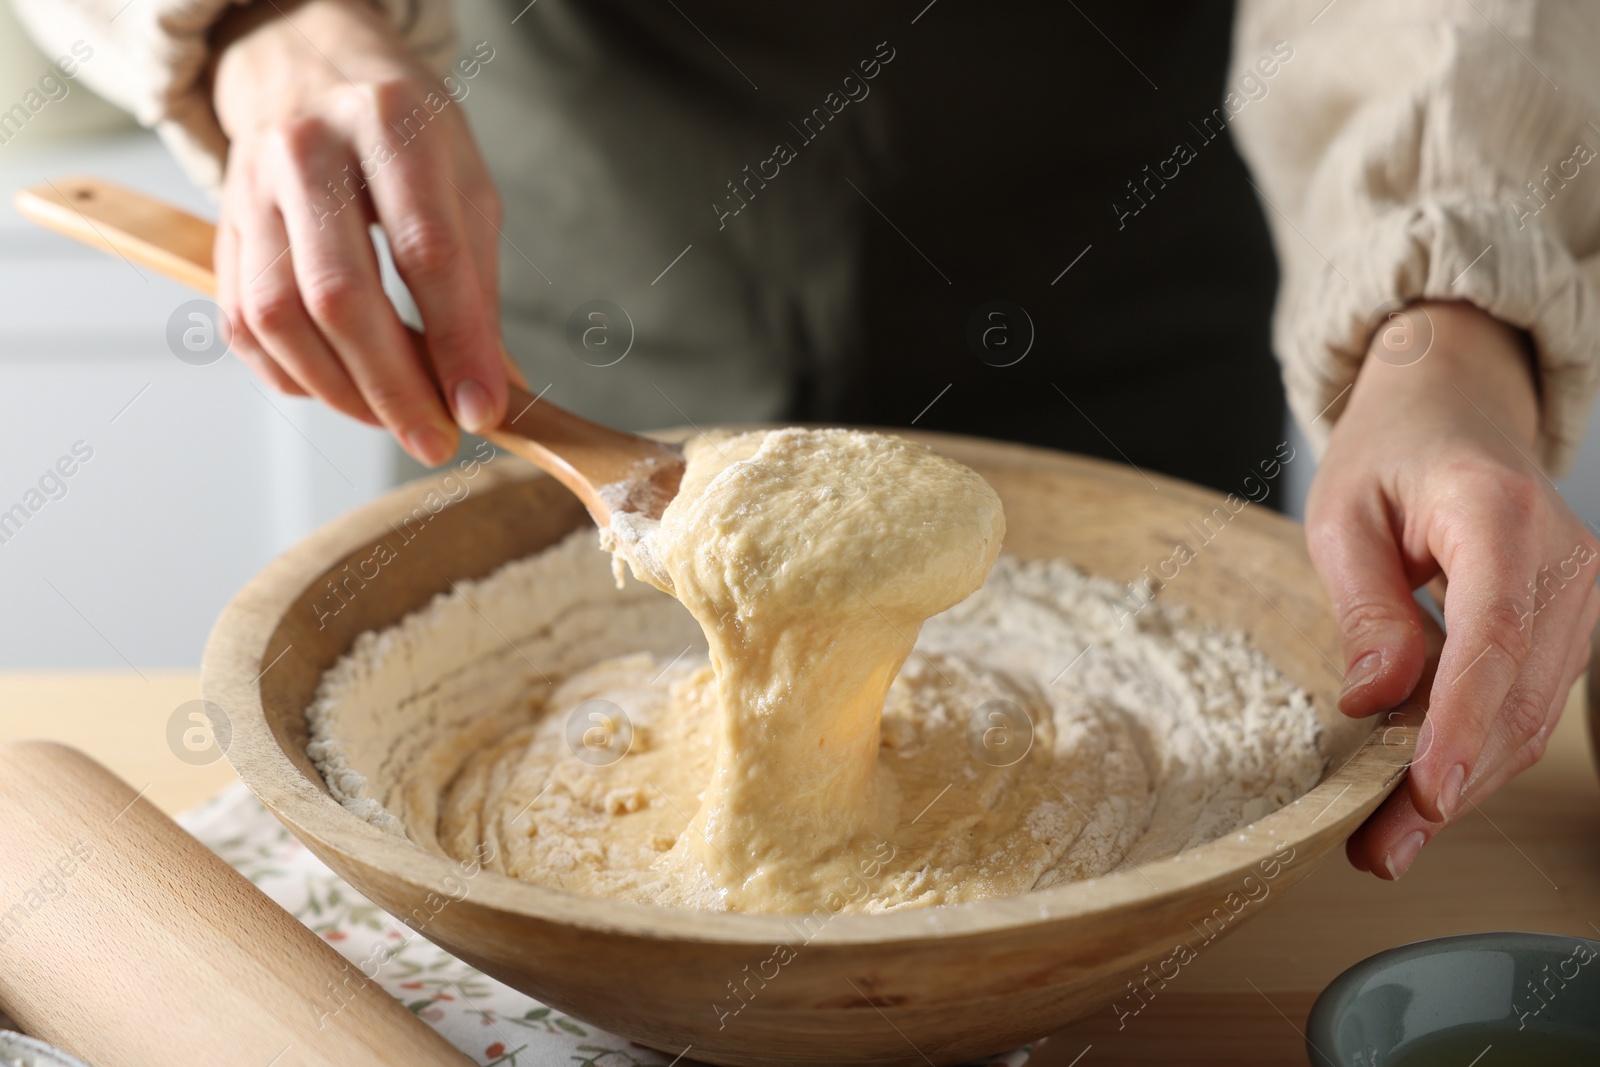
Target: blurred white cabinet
x,y
196,476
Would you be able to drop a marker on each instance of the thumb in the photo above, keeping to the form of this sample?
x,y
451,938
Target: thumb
x,y
1357,556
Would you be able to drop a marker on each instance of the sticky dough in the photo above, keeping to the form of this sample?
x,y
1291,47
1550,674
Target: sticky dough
x,y
810,559
790,757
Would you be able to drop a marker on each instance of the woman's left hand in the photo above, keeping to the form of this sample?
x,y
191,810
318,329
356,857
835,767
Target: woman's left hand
x,y
1429,472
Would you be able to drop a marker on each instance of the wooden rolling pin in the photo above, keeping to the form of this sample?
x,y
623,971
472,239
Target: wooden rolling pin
x,y
126,942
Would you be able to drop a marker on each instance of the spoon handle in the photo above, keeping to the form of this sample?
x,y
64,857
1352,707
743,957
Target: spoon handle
x,y
584,456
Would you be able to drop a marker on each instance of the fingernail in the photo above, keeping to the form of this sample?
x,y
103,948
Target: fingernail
x,y
474,410
1450,790
428,445
1360,673
1400,857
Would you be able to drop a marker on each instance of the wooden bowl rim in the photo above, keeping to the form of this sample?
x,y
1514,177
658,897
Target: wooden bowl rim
x,y
236,653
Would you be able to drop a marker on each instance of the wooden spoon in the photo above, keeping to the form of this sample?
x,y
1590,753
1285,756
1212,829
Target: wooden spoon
x,y
607,469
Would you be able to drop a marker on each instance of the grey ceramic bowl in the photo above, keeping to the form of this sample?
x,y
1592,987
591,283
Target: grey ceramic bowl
x,y
1482,999
14,1048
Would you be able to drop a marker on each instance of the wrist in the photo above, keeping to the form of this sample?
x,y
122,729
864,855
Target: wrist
x,y
1431,349
276,58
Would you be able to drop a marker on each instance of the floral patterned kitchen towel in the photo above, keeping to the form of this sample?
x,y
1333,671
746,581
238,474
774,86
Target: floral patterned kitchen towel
x,y
490,1022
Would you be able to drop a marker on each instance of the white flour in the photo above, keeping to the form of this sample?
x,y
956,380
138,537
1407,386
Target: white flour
x,y
1148,738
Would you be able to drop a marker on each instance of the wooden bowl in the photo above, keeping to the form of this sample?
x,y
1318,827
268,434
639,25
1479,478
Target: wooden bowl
x,y
931,985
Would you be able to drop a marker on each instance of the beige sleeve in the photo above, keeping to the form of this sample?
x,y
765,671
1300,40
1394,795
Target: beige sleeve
x,y
150,56
1438,149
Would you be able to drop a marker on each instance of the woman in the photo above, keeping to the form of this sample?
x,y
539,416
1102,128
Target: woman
x,y
1025,224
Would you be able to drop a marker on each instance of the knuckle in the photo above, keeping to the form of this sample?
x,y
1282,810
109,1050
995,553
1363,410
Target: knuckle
x,y
393,97
457,342
271,311
393,402
301,138
425,245
1322,530
1533,751
1521,494
1505,627
1335,514
1327,543
1477,480
1364,616
334,297
1515,500
1523,715
1331,507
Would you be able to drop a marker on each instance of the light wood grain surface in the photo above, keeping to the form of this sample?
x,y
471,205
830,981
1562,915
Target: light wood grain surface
x,y
1529,860
134,946
119,718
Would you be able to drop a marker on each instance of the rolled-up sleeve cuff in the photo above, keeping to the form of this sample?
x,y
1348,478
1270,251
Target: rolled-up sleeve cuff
x,y
1485,253
150,58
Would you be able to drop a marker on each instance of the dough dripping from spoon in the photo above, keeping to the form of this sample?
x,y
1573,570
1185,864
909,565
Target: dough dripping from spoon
x,y
810,558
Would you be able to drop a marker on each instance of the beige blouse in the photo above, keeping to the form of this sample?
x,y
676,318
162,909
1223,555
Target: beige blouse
x,y
1442,149
1404,150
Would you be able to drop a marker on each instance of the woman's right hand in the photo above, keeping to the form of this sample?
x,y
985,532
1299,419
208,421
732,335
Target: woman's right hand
x,y
334,125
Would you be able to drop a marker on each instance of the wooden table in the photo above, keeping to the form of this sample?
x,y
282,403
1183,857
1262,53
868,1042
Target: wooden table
x,y
120,718
1529,859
